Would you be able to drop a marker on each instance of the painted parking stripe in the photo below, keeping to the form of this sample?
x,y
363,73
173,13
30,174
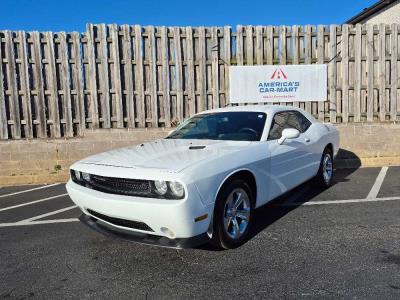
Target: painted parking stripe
x,y
47,214
373,193
341,201
32,221
32,202
39,222
29,190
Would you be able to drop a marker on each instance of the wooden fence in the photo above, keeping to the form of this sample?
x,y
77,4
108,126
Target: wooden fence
x,y
59,84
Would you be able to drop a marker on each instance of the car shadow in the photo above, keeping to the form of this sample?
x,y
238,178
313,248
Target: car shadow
x,y
276,209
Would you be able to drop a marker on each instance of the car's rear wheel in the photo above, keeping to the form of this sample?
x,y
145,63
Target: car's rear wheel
x,y
325,172
233,215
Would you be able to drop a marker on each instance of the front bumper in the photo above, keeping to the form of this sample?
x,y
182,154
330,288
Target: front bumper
x,y
178,216
143,238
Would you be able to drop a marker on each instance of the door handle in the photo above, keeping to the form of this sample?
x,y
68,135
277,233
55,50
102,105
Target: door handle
x,y
307,140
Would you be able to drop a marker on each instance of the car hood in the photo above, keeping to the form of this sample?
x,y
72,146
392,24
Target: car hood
x,y
172,155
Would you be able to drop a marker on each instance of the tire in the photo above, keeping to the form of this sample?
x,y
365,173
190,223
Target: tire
x,y
234,204
325,171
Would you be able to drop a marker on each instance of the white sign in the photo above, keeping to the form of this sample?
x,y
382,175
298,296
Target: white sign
x,y
277,83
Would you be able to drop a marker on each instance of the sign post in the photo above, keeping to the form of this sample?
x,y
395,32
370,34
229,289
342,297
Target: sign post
x,y
278,83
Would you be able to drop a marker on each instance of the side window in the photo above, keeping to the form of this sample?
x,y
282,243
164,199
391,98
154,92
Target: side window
x,y
279,123
304,123
287,119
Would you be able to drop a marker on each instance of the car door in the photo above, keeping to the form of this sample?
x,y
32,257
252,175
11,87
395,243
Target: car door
x,y
289,161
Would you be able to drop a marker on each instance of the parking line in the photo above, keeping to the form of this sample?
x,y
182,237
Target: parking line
x,y
341,201
47,214
30,190
373,193
32,202
39,222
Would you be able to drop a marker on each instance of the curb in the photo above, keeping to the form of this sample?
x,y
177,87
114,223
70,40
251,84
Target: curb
x,y
352,163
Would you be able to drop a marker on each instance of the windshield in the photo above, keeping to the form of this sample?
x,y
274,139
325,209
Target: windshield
x,y
234,126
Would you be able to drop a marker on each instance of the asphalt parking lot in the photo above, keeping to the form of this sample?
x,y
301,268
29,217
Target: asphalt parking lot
x,y
343,242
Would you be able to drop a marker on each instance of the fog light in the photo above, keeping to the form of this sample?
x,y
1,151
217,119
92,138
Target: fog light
x,y
167,232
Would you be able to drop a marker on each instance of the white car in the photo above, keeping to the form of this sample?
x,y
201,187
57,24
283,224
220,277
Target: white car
x,y
204,180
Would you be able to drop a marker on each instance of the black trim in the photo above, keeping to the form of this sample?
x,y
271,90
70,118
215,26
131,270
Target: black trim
x,y
120,222
370,11
143,238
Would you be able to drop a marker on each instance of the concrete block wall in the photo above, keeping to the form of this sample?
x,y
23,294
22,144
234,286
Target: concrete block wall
x,y
48,160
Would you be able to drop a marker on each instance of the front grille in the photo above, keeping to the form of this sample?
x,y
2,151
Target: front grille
x,y
120,222
121,186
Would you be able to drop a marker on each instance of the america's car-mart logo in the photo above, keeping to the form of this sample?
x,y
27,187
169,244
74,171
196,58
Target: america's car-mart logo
x,y
278,84
278,73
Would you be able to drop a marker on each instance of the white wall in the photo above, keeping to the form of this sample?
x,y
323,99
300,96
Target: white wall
x,y
389,15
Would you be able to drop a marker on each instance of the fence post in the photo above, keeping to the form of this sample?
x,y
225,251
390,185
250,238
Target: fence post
x,y
153,76
129,91
78,83
116,79
93,104
191,71
12,87
139,76
393,74
381,71
66,85
227,60
357,77
165,76
38,86
215,48
3,116
345,73
332,74
201,81
24,81
370,72
52,80
321,60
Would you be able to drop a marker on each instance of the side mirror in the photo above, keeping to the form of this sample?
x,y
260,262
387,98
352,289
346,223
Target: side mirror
x,y
288,133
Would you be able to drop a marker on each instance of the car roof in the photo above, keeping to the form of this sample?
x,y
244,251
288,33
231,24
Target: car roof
x,y
269,109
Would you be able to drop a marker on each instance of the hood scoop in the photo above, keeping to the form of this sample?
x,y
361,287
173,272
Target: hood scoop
x,y
196,147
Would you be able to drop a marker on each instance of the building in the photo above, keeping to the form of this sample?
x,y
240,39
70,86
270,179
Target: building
x,y
384,11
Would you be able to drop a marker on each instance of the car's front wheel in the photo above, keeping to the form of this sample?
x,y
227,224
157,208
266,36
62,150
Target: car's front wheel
x,y
233,215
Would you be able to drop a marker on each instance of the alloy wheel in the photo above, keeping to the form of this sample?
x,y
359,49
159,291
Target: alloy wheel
x,y
237,213
327,168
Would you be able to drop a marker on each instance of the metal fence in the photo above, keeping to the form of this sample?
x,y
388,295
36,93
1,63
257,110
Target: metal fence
x,y
59,84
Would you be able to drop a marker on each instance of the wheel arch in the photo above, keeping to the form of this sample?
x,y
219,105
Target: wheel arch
x,y
330,147
242,173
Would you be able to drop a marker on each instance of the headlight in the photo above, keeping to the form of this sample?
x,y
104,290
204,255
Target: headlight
x,y
86,176
161,187
176,189
80,177
77,175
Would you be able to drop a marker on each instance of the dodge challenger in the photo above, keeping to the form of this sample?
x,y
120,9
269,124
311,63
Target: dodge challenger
x,y
203,181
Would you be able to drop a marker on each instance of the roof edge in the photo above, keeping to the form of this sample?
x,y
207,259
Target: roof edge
x,y
369,11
